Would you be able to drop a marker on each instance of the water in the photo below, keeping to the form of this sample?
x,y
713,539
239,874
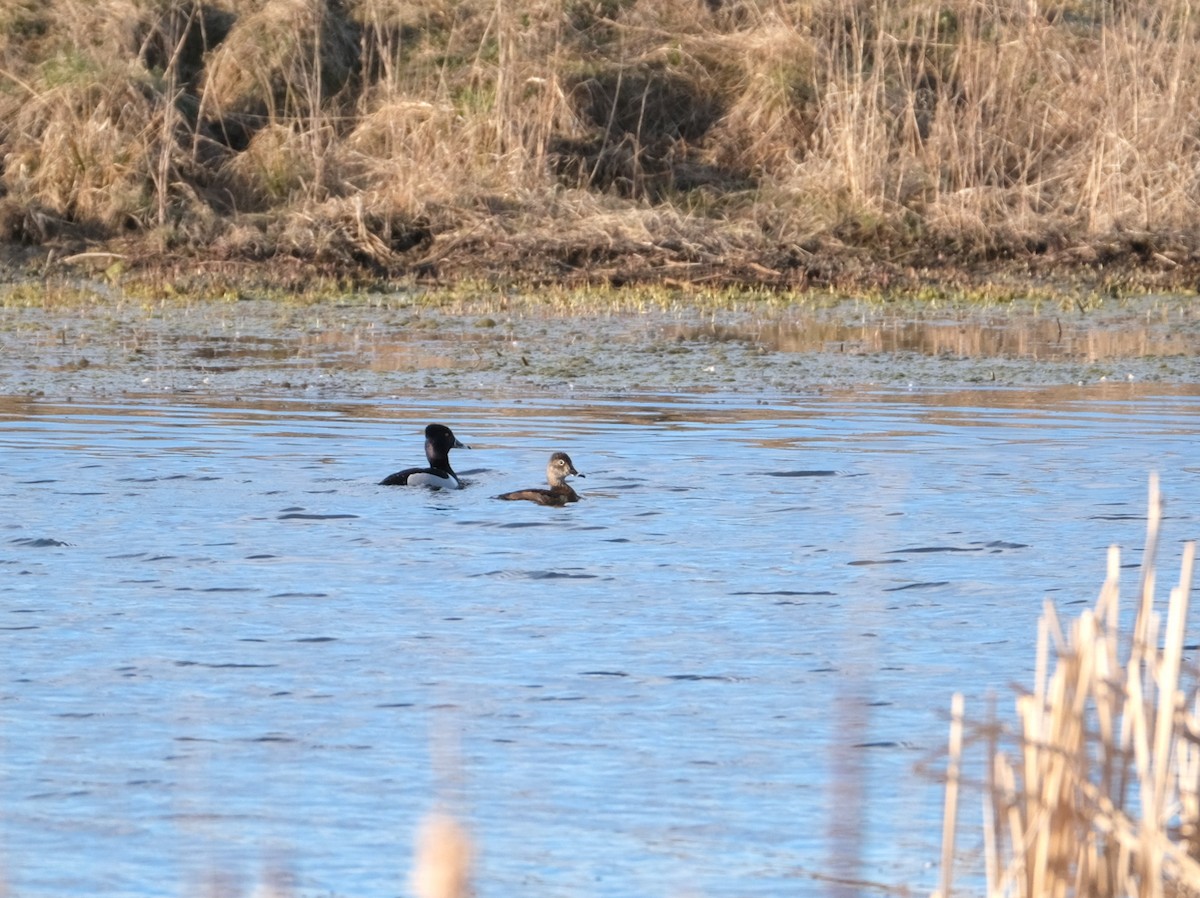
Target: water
x,y
402,344
228,654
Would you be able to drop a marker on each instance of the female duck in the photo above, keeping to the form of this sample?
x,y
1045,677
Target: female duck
x,y
439,440
560,492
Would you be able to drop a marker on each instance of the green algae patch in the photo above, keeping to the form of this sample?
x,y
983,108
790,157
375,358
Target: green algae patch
x,y
51,296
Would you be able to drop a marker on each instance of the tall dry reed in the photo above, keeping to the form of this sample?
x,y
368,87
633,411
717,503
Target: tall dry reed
x,y
443,859
1097,793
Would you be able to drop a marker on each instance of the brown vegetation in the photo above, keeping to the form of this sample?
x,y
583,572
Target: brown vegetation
x,y
1098,794
442,863
778,141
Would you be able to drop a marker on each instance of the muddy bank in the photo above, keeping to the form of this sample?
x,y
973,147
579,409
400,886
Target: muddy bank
x,y
690,256
402,343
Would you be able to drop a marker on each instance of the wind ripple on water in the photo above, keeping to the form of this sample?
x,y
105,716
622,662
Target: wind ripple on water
x,y
39,542
261,642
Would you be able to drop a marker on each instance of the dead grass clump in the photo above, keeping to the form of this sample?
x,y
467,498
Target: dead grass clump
x,y
160,35
155,34
768,125
644,93
248,239
399,126
1098,793
93,142
87,146
102,31
639,123
418,155
279,168
577,237
279,63
418,151
175,37
376,236
22,23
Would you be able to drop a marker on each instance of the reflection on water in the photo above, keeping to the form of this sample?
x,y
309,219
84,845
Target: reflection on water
x,y
1044,337
365,349
354,348
228,650
1040,338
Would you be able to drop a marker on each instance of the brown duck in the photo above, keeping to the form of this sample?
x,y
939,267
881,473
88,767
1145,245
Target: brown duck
x,y
560,492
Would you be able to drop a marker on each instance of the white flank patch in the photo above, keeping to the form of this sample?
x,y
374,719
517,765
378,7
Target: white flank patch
x,y
437,481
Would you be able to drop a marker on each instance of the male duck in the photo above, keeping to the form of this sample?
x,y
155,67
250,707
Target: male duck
x,y
439,440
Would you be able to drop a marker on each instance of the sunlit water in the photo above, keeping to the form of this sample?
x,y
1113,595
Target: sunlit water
x,y
228,653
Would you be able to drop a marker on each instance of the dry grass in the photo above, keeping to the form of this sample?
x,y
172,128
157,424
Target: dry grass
x,y
1099,793
442,863
905,128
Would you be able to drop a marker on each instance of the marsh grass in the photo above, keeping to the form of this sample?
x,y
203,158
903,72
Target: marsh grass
x,y
777,141
443,859
1097,791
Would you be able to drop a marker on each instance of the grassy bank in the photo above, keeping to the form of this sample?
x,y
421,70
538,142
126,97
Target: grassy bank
x,y
815,143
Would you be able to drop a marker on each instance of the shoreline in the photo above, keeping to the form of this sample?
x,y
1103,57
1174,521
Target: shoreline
x,y
375,345
1083,272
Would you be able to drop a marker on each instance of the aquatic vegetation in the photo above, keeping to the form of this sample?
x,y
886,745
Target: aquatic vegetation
x,y
1096,793
50,296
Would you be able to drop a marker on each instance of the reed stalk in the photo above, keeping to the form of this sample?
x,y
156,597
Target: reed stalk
x,y
1097,793
442,864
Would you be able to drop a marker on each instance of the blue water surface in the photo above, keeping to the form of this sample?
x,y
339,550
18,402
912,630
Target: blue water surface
x,y
229,655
